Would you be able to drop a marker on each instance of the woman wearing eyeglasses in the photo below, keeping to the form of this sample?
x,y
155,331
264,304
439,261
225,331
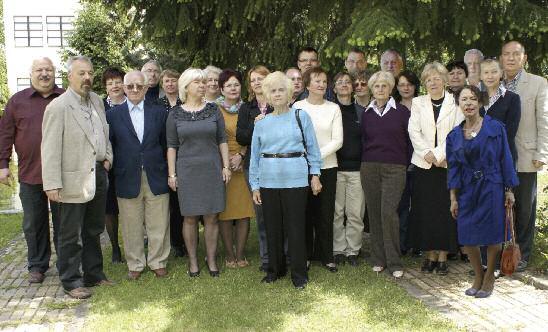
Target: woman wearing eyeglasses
x,y
349,198
198,165
212,83
433,116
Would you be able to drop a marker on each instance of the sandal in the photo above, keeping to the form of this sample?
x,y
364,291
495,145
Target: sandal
x,y
242,263
230,264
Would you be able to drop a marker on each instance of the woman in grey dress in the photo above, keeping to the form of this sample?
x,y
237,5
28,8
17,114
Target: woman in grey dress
x,y
196,138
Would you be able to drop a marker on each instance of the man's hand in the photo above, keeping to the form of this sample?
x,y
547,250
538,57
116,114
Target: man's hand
x,y
106,165
53,195
5,176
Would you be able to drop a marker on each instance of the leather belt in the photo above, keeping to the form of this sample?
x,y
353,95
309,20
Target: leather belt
x,y
283,155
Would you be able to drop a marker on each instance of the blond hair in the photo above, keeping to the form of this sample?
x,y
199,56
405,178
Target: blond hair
x,y
188,76
274,78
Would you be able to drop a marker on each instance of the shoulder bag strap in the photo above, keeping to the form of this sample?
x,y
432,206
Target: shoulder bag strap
x,y
301,128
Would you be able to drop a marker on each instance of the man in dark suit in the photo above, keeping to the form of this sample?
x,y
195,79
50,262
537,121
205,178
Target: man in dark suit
x,y
138,137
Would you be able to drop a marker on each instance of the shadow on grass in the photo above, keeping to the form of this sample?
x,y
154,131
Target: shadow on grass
x,y
353,299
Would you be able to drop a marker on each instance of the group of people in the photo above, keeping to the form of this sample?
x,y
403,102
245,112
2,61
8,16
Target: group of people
x,y
315,162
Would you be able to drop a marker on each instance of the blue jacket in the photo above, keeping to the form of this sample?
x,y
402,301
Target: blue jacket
x,y
131,156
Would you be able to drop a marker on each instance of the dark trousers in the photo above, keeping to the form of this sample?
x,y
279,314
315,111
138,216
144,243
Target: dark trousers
x,y
284,217
403,211
526,210
320,211
80,226
261,231
383,185
175,221
36,225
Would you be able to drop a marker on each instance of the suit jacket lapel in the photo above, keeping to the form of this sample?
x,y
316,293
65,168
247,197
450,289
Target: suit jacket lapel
x,y
80,118
445,107
430,110
148,121
522,83
126,119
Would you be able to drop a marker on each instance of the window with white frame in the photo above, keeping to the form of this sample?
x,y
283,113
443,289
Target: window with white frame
x,y
28,31
59,28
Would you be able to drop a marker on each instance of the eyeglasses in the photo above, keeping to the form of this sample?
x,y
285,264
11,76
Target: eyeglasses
x,y
343,83
135,87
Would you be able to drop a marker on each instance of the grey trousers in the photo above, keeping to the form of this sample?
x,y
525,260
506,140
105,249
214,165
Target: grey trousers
x,y
384,184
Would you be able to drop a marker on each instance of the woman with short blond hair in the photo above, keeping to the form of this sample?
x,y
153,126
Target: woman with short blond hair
x,y
198,165
284,152
433,116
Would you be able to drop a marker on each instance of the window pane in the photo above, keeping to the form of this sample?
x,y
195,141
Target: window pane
x,y
35,26
21,34
21,42
53,19
54,41
36,42
54,34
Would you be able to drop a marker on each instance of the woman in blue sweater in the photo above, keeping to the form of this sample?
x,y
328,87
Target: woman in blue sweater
x,y
284,151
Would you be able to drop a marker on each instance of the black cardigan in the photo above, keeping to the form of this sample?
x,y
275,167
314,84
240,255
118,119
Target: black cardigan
x,y
245,125
507,109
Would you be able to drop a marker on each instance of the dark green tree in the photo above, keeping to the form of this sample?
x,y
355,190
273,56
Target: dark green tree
x,y
242,33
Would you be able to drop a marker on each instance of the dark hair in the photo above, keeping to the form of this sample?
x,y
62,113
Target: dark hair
x,y
307,76
112,72
226,74
363,76
356,50
341,74
457,64
307,49
412,78
482,96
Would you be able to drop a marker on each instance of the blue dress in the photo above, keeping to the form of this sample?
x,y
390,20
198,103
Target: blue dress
x,y
480,168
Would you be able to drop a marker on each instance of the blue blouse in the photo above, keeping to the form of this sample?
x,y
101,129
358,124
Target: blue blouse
x,y
281,134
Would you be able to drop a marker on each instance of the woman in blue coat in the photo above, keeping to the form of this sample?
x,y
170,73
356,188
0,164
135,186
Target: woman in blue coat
x,y
480,178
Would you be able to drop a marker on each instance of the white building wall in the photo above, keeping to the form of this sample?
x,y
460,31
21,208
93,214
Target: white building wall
x,y
19,59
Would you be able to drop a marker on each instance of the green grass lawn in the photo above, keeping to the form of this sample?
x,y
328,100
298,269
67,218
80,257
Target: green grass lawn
x,y
353,299
10,227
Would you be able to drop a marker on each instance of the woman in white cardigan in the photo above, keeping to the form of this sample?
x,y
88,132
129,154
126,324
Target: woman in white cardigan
x,y
327,120
433,116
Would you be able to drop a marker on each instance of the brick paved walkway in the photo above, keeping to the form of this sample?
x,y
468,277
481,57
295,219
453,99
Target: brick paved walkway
x,y
513,305
37,307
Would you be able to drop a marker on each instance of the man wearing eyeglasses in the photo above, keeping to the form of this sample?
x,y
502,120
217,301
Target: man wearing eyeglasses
x,y
76,155
307,58
152,70
138,137
355,62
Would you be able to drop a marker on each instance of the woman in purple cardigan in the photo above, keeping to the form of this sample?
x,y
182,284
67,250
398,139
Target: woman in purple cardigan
x,y
386,150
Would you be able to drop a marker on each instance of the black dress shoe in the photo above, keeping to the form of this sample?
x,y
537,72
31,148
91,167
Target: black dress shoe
x,y
331,268
416,253
269,278
428,266
442,268
452,257
339,259
213,273
353,260
194,274
464,258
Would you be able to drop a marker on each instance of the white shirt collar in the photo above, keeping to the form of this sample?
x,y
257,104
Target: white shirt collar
x,y
131,105
389,105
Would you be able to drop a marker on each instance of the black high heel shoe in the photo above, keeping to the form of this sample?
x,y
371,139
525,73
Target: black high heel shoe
x,y
193,274
212,273
428,266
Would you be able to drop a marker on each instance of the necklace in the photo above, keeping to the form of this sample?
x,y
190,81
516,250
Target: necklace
x,y
473,132
437,105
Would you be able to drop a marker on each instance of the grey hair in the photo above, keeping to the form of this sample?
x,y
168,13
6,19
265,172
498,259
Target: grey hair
x,y
187,77
145,78
276,78
381,76
212,69
156,63
73,59
474,51
393,51
45,58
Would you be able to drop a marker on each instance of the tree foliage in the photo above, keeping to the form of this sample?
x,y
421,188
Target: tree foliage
x,y
4,92
239,34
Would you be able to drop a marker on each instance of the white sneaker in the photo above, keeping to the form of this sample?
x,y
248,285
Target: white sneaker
x,y
378,269
397,274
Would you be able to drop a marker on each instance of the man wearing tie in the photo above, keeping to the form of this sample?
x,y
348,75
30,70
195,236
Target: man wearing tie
x,y
138,137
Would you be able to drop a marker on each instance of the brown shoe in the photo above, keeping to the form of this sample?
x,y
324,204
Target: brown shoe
x,y
133,275
78,293
103,282
36,277
161,272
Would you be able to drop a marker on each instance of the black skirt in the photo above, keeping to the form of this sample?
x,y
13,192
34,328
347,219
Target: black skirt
x,y
431,226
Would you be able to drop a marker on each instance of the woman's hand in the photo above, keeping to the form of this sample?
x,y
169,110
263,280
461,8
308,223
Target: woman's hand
x,y
509,199
454,208
259,118
315,185
172,183
442,163
430,158
235,162
226,175
257,197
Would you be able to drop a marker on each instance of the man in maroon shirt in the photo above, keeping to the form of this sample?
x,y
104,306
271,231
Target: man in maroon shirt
x,y
21,126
